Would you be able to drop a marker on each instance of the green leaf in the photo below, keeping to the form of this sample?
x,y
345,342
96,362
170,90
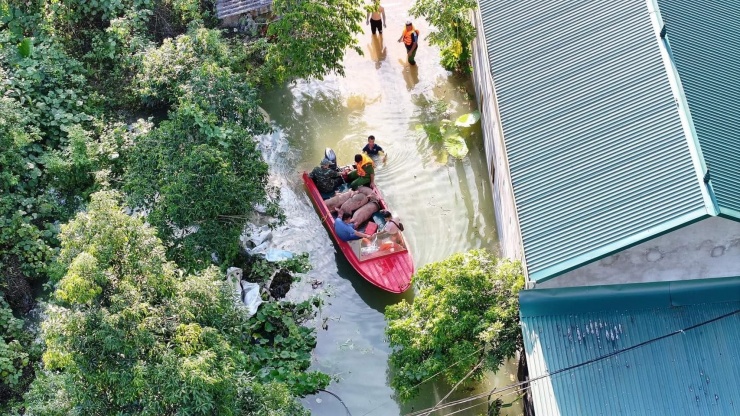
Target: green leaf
x,y
456,146
25,47
467,120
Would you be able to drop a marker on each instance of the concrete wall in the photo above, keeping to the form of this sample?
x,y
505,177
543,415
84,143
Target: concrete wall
x,y
706,249
507,222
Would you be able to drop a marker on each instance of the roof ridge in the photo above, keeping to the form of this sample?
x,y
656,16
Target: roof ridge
x,y
684,112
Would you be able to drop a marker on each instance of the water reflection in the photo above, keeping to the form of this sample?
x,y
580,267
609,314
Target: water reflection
x,y
410,75
445,204
378,51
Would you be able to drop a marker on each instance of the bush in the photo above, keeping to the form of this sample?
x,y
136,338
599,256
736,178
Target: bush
x,y
466,312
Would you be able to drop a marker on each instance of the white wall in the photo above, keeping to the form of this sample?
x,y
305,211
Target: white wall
x,y
507,222
706,249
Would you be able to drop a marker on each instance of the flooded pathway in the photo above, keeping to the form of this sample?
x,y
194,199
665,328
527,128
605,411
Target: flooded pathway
x,y
445,204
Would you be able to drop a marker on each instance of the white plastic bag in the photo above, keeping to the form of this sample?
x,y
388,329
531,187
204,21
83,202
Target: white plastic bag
x,y
251,297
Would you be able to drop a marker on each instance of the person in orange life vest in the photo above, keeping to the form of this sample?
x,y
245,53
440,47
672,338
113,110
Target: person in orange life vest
x,y
364,174
410,38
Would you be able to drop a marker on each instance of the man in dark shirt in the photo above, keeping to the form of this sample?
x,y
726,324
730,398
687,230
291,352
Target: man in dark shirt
x,y
325,178
373,149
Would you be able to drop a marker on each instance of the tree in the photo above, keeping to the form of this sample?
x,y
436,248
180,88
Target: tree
x,y
309,37
199,173
130,333
465,317
454,32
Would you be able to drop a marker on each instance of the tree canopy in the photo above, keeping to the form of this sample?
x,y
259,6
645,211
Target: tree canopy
x,y
465,314
157,106
130,333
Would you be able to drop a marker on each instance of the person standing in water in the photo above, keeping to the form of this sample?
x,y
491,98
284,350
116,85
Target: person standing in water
x,y
373,149
376,17
410,38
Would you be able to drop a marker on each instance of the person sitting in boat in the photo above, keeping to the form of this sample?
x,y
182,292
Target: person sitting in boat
x,y
391,227
325,178
346,230
373,149
364,174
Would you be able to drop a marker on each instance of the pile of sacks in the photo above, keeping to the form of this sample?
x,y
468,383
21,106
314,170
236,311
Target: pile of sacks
x,y
362,204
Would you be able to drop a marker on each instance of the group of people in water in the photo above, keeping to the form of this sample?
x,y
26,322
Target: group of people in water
x,y
353,206
410,35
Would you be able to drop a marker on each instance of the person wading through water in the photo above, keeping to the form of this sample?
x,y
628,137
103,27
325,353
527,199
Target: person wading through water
x,y
410,38
376,17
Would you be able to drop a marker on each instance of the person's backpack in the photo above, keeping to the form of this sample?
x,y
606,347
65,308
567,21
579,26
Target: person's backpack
x,y
398,224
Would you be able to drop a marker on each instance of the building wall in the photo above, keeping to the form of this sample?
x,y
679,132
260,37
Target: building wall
x,y
507,224
706,249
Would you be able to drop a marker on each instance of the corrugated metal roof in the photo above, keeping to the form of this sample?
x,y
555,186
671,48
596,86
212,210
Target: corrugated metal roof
x,y
705,42
596,150
694,372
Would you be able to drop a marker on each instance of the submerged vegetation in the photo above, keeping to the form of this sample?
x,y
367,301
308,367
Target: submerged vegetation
x,y
145,104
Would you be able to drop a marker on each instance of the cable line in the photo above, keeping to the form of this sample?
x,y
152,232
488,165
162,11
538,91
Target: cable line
x,y
573,367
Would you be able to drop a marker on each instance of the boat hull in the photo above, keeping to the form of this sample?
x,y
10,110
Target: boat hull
x,y
391,272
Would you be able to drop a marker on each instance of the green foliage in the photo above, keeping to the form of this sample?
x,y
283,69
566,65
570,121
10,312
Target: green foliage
x,y
74,78
439,129
166,69
310,37
466,311
454,32
26,212
18,352
193,171
13,355
49,84
130,333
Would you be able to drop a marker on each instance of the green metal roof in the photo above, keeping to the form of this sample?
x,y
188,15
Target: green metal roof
x,y
694,372
704,39
597,153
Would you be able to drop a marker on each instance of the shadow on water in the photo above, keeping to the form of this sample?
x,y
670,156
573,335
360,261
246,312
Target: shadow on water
x,y
370,295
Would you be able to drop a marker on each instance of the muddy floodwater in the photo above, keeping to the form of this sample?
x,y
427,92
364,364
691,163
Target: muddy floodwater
x,y
445,205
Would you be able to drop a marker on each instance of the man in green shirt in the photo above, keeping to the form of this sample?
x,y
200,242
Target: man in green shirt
x,y
364,174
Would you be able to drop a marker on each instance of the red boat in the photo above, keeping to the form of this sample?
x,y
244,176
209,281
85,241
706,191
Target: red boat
x,y
386,264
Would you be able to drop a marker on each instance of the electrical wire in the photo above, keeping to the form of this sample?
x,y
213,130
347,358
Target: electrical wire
x,y
427,379
340,401
526,384
477,366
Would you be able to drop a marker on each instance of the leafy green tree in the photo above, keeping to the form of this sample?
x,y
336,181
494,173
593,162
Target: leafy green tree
x,y
453,34
130,333
196,174
309,37
465,317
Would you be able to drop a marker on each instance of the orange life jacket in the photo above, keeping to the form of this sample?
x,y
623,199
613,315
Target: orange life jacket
x,y
365,160
407,39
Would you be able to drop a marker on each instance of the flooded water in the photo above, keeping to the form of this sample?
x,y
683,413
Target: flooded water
x,y
445,204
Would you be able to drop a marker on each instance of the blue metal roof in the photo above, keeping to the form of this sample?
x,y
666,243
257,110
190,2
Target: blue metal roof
x,y
704,38
597,154
694,372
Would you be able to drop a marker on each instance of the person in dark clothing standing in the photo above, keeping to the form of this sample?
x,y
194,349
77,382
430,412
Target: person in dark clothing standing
x,y
373,149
